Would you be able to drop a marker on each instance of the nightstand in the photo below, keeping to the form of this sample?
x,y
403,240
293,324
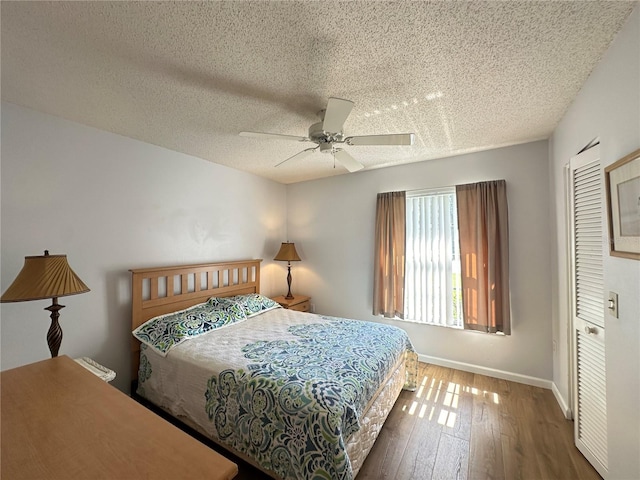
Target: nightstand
x,y
98,370
301,303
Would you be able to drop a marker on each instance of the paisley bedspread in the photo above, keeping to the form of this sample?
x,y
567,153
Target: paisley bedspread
x,y
284,388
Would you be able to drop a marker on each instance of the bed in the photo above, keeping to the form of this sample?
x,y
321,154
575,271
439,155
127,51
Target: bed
x,y
295,394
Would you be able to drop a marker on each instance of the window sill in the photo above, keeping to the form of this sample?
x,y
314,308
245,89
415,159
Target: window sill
x,y
415,322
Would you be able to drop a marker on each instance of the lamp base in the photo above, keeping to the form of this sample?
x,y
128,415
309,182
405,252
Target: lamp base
x,y
54,335
289,295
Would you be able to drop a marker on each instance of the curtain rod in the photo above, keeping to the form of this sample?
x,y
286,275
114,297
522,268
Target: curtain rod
x,y
443,188
426,189
431,190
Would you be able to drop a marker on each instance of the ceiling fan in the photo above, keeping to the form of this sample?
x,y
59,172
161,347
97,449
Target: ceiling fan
x,y
327,133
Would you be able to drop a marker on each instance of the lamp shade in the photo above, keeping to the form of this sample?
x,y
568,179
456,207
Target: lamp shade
x,y
45,276
287,253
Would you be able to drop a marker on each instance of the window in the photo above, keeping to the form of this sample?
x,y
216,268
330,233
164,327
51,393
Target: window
x,y
433,289
434,245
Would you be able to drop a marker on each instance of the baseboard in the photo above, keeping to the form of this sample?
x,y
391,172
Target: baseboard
x,y
491,372
568,414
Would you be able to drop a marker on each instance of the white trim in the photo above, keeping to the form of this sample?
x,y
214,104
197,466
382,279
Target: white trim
x,y
490,372
568,184
566,411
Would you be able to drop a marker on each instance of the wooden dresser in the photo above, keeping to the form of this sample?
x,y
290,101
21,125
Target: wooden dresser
x,y
60,421
302,303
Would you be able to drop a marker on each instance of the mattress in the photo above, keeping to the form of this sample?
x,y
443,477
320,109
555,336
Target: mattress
x,y
298,395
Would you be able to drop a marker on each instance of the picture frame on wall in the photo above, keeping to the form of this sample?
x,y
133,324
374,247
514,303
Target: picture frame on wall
x,y
623,204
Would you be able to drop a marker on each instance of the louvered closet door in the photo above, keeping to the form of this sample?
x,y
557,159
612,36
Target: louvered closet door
x,y
587,244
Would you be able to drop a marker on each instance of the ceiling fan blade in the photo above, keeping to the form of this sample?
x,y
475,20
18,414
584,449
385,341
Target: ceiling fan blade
x,y
302,154
347,161
274,136
392,139
336,114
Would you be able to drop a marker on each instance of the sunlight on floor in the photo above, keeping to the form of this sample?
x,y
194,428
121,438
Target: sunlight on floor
x,y
446,418
442,399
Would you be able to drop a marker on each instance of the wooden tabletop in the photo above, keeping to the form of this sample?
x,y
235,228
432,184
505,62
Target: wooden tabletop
x,y
59,421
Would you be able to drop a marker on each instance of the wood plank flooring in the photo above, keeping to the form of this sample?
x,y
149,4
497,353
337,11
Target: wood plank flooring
x,y
460,425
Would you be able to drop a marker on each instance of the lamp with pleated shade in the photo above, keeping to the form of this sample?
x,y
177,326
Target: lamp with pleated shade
x,y
41,277
287,253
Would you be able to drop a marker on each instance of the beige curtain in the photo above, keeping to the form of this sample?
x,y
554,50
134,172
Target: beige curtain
x,y
484,255
388,279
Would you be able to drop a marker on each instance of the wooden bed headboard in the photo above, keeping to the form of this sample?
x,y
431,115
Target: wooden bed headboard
x,y
160,290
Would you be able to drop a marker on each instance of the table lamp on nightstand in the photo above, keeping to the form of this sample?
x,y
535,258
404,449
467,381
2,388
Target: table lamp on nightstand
x,y
46,276
288,254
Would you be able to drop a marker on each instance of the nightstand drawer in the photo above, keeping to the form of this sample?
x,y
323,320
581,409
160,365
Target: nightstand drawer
x,y
300,303
301,307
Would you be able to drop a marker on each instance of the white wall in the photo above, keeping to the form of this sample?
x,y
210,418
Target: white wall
x,y
332,222
607,107
112,203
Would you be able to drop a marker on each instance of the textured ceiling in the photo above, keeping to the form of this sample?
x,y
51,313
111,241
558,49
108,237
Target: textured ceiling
x,y
464,76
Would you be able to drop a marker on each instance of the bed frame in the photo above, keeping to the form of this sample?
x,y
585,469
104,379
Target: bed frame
x,y
160,290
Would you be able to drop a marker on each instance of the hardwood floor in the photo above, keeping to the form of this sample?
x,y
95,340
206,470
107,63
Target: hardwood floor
x,y
460,425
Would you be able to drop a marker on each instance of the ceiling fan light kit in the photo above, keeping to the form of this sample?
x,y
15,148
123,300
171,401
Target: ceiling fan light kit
x,y
329,131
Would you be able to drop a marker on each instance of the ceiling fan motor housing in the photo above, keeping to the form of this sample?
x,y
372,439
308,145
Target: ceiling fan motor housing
x,y
324,139
326,147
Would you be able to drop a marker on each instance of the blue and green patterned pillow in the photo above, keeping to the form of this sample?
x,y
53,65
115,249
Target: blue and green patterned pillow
x,y
166,331
252,303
